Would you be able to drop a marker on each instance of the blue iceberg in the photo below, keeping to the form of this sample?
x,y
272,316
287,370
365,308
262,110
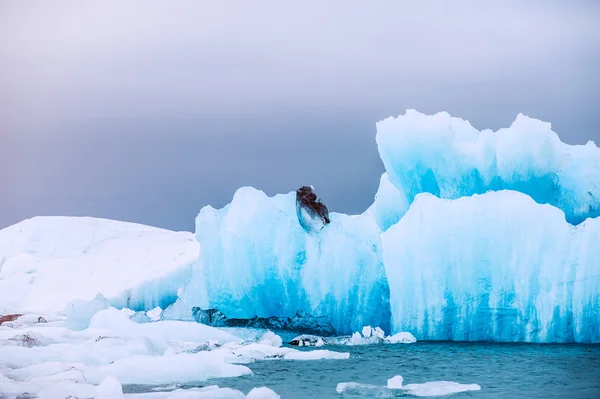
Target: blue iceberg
x,y
471,236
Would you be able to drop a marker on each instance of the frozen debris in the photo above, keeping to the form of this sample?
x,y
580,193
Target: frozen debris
x,y
395,388
369,336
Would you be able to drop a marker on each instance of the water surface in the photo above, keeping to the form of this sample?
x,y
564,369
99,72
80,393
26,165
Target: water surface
x,y
502,370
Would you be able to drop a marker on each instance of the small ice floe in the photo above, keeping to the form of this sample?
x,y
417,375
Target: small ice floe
x,y
154,314
109,388
50,360
396,388
368,336
209,392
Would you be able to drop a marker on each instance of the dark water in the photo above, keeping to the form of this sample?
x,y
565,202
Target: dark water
x,y
502,370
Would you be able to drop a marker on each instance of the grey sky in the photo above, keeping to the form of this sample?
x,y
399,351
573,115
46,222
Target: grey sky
x,y
147,111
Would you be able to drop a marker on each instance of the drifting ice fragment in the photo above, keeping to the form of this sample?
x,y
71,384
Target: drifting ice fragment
x,y
109,388
262,393
79,312
395,388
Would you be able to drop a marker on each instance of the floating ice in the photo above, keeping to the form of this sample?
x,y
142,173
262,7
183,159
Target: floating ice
x,y
262,393
370,336
210,392
396,388
74,362
510,253
270,338
79,312
154,314
109,388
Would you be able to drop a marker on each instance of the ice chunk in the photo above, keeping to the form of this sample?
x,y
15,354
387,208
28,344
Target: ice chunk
x,y
447,157
109,388
270,338
154,314
178,311
437,388
140,317
366,331
79,312
370,336
160,335
128,312
401,338
258,351
262,393
209,392
396,388
177,368
395,382
316,355
496,266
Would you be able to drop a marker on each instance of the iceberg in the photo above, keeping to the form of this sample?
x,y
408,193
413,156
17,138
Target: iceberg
x,y
472,235
447,157
496,266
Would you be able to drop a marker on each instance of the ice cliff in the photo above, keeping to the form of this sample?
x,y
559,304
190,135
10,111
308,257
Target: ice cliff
x,y
471,236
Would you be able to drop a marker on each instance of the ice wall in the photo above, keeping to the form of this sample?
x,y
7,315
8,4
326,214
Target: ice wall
x,y
257,260
496,266
447,157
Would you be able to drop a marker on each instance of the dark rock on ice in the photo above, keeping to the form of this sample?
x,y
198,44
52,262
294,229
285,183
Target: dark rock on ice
x,y
312,213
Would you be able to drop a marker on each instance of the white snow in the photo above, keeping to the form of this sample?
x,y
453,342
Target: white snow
x,y
109,388
270,338
47,262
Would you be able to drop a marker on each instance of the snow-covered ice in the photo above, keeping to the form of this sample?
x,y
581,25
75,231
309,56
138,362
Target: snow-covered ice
x,y
134,266
115,351
109,388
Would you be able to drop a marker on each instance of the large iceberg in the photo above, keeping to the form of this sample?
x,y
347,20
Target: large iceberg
x,y
512,261
471,236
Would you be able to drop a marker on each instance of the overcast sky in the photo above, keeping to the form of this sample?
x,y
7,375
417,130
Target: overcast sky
x,y
146,111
